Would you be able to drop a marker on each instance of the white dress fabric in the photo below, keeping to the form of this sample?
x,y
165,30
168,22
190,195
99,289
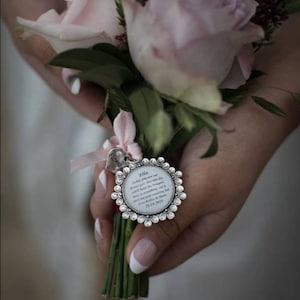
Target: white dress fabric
x,y
51,253
48,251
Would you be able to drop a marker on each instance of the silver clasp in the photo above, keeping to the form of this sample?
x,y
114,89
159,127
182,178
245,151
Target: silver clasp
x,y
116,160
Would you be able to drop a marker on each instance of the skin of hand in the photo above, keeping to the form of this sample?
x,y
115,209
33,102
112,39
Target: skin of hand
x,y
37,52
217,187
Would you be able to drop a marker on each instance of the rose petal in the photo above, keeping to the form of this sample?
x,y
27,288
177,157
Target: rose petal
x,y
49,17
64,37
82,25
205,96
75,7
220,51
171,80
217,55
100,15
186,27
235,78
210,35
218,15
245,58
124,128
158,64
223,108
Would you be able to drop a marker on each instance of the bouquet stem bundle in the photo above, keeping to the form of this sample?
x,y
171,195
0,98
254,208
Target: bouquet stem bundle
x,y
120,281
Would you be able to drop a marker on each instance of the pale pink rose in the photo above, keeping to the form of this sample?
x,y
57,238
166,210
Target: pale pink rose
x,y
189,48
83,24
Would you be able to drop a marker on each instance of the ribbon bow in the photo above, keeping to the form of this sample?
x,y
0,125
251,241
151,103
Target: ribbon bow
x,y
125,131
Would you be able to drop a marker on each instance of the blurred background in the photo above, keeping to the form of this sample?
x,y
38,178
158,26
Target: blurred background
x,y
47,244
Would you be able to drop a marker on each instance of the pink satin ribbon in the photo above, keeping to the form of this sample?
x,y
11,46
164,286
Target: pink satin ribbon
x,y
125,130
88,160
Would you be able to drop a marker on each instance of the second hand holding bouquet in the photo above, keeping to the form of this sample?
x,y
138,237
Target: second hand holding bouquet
x,y
168,67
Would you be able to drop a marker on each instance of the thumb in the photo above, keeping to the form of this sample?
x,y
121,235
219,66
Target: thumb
x,y
148,243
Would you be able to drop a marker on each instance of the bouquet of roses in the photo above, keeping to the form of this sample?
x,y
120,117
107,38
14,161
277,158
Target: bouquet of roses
x,y
168,68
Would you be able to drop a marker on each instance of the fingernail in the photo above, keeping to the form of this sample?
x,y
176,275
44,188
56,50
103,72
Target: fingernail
x,y
98,230
106,144
142,256
75,87
102,178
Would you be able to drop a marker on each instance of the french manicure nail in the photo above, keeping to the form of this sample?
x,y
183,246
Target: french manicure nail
x,y
75,87
98,229
102,178
106,144
142,256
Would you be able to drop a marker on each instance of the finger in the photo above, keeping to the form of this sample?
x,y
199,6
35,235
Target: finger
x,y
90,98
101,204
147,244
103,234
38,52
202,233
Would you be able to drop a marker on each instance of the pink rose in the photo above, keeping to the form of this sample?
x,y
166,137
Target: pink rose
x,y
83,24
189,48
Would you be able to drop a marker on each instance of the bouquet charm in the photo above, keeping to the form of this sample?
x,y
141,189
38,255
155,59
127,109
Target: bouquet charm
x,y
147,190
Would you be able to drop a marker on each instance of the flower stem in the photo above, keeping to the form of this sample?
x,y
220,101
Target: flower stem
x,y
120,282
107,289
130,289
120,262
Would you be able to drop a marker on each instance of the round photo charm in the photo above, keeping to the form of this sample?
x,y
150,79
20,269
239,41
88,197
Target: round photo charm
x,y
148,191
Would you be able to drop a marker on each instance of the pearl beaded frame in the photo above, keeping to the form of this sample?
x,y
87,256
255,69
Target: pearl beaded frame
x,y
148,219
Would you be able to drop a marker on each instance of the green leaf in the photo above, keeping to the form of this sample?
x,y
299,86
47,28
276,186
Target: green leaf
x,y
85,59
213,148
108,284
159,131
232,96
112,76
255,74
169,98
145,102
123,56
181,136
119,8
119,98
271,107
296,97
184,117
293,6
206,118
116,101
101,117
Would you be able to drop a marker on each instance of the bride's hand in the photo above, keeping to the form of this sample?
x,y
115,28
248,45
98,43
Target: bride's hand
x,y
37,52
216,187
